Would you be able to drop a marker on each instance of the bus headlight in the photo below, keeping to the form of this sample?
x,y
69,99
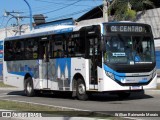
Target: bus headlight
x,y
111,75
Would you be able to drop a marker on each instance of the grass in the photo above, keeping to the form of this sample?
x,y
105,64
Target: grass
x,y
2,85
24,107
18,106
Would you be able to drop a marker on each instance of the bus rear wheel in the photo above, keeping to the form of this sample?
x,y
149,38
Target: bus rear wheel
x,y
29,90
81,90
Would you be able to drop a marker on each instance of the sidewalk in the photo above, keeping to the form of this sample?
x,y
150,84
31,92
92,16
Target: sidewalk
x,y
10,88
5,87
158,80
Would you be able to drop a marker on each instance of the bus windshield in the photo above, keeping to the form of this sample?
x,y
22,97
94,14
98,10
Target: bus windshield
x,y
133,49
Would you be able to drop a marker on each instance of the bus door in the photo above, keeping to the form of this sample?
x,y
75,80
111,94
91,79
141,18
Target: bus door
x,y
93,37
94,62
44,55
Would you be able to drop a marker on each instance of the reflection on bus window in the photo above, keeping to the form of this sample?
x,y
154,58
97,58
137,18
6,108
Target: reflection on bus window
x,y
129,49
31,49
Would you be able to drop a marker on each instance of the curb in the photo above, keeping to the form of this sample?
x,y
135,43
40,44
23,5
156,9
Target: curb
x,y
152,91
9,88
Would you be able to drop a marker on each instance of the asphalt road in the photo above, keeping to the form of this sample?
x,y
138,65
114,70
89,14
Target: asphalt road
x,y
98,102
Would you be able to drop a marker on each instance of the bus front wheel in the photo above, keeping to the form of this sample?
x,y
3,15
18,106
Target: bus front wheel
x,y
81,90
29,90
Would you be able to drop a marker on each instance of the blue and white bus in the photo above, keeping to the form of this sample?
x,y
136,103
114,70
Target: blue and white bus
x,y
108,57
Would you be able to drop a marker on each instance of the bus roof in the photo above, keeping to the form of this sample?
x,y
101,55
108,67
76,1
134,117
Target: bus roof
x,y
126,22
61,29
44,31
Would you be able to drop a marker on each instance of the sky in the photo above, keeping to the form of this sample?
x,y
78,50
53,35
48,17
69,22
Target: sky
x,y
51,9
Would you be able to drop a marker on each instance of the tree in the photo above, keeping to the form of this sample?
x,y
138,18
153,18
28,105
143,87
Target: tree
x,y
127,9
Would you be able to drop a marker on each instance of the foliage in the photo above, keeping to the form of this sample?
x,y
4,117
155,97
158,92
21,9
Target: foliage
x,y
127,9
130,15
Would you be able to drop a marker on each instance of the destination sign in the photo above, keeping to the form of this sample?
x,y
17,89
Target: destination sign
x,y
126,28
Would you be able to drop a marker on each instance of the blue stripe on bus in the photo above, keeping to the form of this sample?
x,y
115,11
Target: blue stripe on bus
x,y
158,59
143,81
1,68
119,78
108,69
21,73
65,67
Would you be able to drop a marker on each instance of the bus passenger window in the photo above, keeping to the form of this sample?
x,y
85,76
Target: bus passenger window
x,y
31,49
70,47
19,51
58,46
78,44
53,50
8,51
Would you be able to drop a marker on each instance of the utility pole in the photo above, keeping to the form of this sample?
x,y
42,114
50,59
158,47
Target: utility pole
x,y
30,11
17,17
105,10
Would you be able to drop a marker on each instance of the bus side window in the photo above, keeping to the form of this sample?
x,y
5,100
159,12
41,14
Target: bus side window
x,y
78,45
70,48
35,49
53,52
58,46
8,51
28,50
31,49
19,50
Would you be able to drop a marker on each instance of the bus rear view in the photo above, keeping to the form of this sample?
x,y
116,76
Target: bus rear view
x,y
129,57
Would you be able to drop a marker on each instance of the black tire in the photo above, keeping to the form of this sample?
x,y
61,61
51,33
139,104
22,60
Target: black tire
x,y
124,95
29,90
81,90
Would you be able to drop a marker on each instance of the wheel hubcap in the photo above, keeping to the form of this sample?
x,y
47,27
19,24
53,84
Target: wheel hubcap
x,y
29,88
81,89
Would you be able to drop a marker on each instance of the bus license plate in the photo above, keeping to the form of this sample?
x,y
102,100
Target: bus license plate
x,y
136,87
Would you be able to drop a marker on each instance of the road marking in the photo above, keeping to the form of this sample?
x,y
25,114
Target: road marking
x,y
5,95
60,107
